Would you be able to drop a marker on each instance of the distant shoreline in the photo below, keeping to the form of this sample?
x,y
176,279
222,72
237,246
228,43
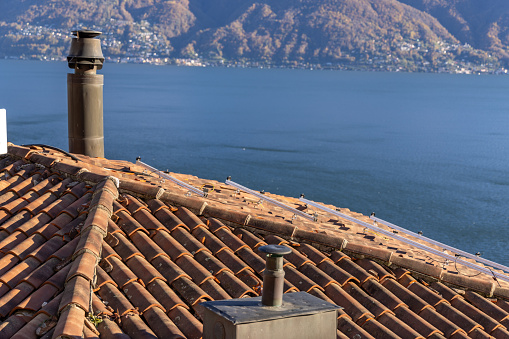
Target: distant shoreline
x,y
473,69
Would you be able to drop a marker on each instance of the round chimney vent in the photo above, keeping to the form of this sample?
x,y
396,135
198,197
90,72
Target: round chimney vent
x,y
85,51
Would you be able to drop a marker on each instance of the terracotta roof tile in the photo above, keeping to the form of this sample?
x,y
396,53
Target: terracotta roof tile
x,y
457,317
20,271
68,249
170,246
123,247
488,307
191,292
20,246
83,266
164,215
503,304
99,308
187,240
165,295
161,324
77,292
440,322
252,259
209,240
46,249
397,326
70,323
110,330
352,307
158,262
378,330
373,305
41,274
35,301
352,330
375,269
415,303
103,278
169,269
140,297
90,241
197,272
144,270
149,248
500,332
32,327
382,294
235,287
115,299
233,262
120,273
321,278
416,322
249,238
187,323
299,280
488,323
12,298
214,290
189,218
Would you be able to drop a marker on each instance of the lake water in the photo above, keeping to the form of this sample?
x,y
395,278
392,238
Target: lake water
x,y
428,152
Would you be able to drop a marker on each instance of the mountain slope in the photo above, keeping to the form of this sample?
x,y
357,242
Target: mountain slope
x,y
325,30
408,33
483,24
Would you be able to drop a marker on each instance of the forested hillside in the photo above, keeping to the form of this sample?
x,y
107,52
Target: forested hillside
x,y
385,34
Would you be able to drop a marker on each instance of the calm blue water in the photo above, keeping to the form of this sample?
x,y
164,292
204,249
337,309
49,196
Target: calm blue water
x,y
428,152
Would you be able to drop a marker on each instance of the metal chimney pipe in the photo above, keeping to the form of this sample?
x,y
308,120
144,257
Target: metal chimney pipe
x,y
85,94
274,275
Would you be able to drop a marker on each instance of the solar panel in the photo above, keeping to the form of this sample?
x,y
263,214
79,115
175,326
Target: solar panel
x,y
262,197
439,244
439,253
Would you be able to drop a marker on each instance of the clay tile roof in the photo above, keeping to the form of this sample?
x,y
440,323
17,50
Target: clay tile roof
x,y
98,248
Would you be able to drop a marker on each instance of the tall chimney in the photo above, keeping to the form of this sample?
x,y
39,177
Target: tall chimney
x,y
85,94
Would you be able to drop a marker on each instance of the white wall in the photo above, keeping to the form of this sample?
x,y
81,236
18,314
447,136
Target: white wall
x,y
3,131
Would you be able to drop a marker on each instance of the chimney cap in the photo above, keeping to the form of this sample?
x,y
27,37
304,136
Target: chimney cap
x,y
275,250
86,33
85,52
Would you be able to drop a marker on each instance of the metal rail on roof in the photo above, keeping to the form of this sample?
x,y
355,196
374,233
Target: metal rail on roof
x,y
262,197
439,253
172,179
439,244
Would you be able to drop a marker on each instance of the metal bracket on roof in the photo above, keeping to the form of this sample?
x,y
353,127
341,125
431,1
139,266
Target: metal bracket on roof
x,y
270,200
191,189
315,217
446,262
205,192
